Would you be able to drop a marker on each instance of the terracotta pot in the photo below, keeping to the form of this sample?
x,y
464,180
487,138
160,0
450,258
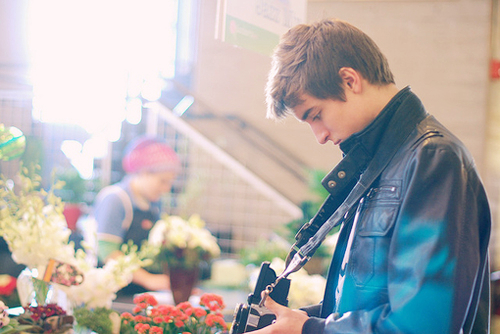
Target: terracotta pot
x,y
182,282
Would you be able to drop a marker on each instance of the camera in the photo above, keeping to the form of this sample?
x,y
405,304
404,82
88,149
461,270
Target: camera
x,y
251,316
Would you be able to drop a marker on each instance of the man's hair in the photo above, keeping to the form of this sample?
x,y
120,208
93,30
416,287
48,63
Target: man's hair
x,y
309,57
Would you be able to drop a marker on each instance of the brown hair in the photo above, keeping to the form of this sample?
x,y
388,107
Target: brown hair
x,y
309,57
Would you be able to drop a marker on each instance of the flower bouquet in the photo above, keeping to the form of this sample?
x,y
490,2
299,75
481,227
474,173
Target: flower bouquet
x,y
148,317
32,224
183,245
31,221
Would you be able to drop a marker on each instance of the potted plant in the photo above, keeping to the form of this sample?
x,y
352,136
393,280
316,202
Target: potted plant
x,y
72,193
183,246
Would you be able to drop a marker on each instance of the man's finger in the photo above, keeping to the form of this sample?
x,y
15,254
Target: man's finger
x,y
273,306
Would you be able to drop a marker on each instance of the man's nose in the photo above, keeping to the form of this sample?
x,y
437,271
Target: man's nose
x,y
321,133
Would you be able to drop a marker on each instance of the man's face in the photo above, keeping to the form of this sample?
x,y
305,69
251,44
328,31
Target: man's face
x,y
332,120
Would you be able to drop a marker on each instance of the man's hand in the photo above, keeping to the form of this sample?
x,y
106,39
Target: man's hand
x,y
288,321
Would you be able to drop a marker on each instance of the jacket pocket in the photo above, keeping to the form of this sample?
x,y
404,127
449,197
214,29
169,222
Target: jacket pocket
x,y
370,248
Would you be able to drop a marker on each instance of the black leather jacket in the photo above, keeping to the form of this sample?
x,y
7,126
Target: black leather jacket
x,y
417,261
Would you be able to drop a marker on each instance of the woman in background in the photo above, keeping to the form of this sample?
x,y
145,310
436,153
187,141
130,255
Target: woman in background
x,y
128,209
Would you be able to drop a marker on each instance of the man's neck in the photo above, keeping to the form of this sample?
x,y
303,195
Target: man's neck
x,y
379,97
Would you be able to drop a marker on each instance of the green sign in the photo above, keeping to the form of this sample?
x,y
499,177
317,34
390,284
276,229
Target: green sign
x,y
249,36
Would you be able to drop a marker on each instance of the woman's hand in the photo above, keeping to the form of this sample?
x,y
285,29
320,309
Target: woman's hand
x,y
151,282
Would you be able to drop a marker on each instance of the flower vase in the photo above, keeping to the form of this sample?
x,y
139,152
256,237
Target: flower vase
x,y
182,282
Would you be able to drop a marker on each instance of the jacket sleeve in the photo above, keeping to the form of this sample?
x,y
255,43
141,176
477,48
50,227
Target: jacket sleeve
x,y
435,255
312,310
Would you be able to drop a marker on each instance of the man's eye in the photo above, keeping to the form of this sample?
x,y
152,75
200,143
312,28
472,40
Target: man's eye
x,y
317,116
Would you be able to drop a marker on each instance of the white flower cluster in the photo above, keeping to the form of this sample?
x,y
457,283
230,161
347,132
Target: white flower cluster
x,y
100,285
174,232
305,289
32,223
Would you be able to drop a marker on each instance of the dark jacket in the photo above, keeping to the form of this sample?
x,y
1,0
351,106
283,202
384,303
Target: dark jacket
x,y
417,261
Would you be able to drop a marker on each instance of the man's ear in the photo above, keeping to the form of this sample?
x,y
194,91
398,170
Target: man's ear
x,y
351,79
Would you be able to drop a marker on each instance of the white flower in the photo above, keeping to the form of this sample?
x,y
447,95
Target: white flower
x,y
190,238
306,290
32,223
97,290
100,285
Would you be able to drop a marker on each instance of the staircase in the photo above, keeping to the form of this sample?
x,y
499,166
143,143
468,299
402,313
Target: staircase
x,y
252,148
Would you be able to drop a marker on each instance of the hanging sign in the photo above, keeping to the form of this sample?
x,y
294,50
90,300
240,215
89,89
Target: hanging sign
x,y
258,24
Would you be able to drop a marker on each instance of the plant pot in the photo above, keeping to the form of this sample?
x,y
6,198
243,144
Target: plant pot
x,y
182,282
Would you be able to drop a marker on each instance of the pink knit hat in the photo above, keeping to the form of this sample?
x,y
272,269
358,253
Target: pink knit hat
x,y
150,154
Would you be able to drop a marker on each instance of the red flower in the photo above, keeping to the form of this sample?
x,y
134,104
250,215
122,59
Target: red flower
x,y
156,330
151,300
152,318
199,312
145,298
43,312
142,328
189,311
214,320
127,315
140,318
184,306
212,301
168,309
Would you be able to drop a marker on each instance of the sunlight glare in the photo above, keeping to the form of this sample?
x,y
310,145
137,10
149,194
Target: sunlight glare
x,y
83,54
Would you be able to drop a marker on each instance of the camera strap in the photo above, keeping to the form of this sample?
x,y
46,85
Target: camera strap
x,y
346,188
339,183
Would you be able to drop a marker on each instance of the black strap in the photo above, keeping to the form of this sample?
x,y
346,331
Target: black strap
x,y
339,183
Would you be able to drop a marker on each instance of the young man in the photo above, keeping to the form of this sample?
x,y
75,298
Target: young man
x,y
412,252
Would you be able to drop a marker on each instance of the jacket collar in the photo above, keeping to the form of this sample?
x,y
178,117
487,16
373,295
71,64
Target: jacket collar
x,y
370,136
398,118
